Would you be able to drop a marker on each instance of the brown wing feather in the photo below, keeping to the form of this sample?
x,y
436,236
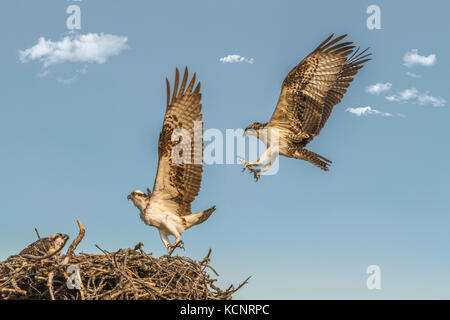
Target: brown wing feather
x,y
181,182
314,86
339,88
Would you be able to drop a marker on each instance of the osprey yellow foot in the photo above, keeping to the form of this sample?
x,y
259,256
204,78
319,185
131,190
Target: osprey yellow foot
x,y
249,166
255,172
172,247
246,165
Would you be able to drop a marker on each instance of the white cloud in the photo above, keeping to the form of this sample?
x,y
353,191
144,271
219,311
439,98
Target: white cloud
x,y
413,58
364,111
235,58
413,75
426,98
415,96
378,88
91,47
405,95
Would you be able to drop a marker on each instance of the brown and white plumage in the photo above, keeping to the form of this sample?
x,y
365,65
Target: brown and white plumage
x,y
176,185
182,181
46,246
308,95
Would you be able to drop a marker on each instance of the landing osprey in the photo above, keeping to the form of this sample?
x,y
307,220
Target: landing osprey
x,y
177,183
308,95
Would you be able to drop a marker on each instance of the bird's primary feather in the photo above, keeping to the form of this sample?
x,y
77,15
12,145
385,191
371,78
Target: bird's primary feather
x,y
180,166
308,95
315,86
180,182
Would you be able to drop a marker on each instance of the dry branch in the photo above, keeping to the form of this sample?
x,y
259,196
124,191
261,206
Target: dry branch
x,y
127,274
75,242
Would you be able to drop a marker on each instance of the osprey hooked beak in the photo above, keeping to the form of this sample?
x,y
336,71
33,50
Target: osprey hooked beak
x,y
247,131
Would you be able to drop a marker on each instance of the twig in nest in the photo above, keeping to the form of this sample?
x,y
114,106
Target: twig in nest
x,y
39,237
77,240
74,243
18,291
104,251
43,243
138,246
50,284
122,275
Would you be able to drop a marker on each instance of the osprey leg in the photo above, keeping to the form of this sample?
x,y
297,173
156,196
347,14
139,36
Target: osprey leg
x,y
269,154
266,155
269,164
172,230
164,238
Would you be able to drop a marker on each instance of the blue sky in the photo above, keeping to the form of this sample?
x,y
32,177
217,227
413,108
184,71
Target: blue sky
x,y
77,137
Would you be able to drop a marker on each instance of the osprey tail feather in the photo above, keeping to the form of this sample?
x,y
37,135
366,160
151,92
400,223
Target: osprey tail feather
x,y
313,158
199,217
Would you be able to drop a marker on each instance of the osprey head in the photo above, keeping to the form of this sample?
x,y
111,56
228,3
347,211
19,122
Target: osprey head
x,y
139,198
59,236
253,129
57,240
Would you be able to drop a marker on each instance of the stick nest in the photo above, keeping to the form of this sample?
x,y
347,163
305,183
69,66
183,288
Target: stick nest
x,y
127,274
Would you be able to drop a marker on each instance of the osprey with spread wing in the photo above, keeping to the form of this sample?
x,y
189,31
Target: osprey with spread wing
x,y
308,95
177,183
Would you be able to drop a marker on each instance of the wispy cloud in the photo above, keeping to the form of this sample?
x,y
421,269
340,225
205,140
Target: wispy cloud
x,y
425,98
413,58
43,74
404,96
90,48
413,95
67,81
378,88
365,111
70,78
235,58
413,75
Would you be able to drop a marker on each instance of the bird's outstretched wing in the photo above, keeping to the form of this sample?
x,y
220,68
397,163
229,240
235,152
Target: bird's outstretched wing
x,y
180,182
315,86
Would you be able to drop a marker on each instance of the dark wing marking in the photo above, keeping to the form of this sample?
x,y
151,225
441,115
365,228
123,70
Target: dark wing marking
x,y
314,87
181,181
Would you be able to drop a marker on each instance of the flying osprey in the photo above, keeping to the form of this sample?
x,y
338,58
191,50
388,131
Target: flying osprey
x,y
308,95
177,183
46,246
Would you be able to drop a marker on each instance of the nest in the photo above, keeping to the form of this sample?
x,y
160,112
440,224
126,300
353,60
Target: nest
x,y
127,274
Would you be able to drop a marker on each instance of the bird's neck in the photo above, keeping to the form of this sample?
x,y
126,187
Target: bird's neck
x,y
144,213
144,218
142,205
263,134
